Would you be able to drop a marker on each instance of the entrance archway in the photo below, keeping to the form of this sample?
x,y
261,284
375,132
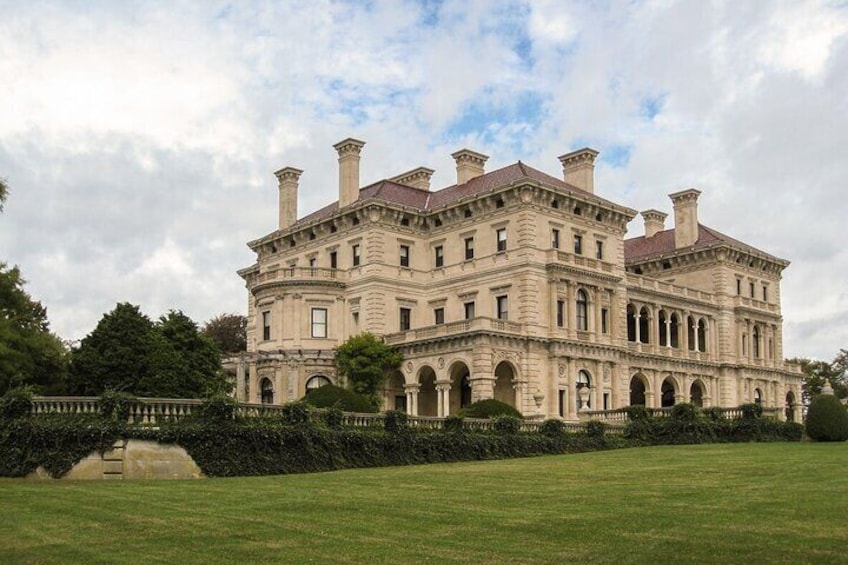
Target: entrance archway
x,y
395,398
428,400
266,391
504,380
668,392
758,396
316,382
637,390
460,390
696,394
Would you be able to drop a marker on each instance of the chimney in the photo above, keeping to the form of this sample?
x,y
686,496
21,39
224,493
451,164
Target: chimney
x,y
578,168
287,178
685,217
348,170
654,222
416,178
469,165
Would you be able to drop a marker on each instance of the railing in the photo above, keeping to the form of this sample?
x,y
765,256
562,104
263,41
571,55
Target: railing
x,y
580,261
656,285
620,414
454,328
302,273
742,301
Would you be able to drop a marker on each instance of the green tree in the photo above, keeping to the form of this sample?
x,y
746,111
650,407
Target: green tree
x,y
130,353
366,361
29,353
4,193
228,331
815,373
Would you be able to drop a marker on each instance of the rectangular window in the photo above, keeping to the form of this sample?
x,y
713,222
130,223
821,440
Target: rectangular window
x,y
765,293
266,326
501,233
356,321
405,317
561,403
599,250
469,248
334,260
739,287
313,261
355,252
319,322
469,310
751,288
404,256
604,321
439,315
502,308
559,313
440,256
555,238
578,245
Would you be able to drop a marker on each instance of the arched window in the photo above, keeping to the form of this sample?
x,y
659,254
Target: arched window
x,y
644,325
662,326
584,381
691,334
755,341
790,407
668,393
582,311
673,327
696,394
758,396
316,382
631,323
637,391
702,335
266,391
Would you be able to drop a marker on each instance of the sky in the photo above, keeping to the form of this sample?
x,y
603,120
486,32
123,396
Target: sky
x,y
139,139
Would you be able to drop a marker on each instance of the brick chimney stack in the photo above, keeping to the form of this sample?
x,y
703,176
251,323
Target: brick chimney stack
x,y
288,180
348,150
578,168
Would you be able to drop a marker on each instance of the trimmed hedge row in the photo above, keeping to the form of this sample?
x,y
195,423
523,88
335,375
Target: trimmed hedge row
x,y
223,444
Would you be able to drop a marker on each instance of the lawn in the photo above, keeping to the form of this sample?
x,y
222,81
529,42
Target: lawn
x,y
726,503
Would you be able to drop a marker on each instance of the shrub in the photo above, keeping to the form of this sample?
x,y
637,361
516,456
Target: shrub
x,y
714,414
637,413
552,428
751,411
507,425
217,409
454,423
16,403
395,421
115,405
684,412
296,412
827,419
332,396
333,418
595,429
489,409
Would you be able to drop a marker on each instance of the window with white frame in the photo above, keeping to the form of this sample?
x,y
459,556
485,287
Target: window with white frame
x,y
319,322
502,307
501,235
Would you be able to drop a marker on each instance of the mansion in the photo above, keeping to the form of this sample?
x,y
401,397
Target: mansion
x,y
515,285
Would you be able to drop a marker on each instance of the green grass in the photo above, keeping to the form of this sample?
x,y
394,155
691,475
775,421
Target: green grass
x,y
727,503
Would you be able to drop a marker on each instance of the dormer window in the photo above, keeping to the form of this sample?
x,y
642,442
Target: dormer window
x,y
555,204
499,203
467,212
404,221
578,211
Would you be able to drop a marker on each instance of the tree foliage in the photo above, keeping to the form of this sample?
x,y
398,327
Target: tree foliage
x,y
130,353
29,353
815,373
827,419
228,331
4,193
366,361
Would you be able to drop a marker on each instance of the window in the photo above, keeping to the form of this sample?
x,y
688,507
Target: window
x,y
440,255
501,239
355,253
439,315
405,317
502,310
404,256
739,287
599,250
755,341
469,248
765,293
559,313
334,260
313,261
266,326
469,310
604,321
555,238
582,311
355,316
499,203
578,245
319,322
751,288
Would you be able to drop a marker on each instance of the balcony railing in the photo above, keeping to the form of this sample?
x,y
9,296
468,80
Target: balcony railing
x,y
620,414
302,273
454,328
744,302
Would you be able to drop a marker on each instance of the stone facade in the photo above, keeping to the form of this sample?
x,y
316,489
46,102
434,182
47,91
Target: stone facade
x,y
514,285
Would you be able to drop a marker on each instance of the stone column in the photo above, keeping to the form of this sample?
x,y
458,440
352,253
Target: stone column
x,y
442,398
572,310
240,396
411,391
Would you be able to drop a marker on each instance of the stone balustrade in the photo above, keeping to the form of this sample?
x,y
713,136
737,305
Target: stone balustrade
x,y
454,328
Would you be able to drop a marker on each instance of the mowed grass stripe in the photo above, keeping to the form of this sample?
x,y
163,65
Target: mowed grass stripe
x,y
775,503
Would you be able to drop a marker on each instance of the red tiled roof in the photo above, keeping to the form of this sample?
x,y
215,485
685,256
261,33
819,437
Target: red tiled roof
x,y
662,243
424,200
